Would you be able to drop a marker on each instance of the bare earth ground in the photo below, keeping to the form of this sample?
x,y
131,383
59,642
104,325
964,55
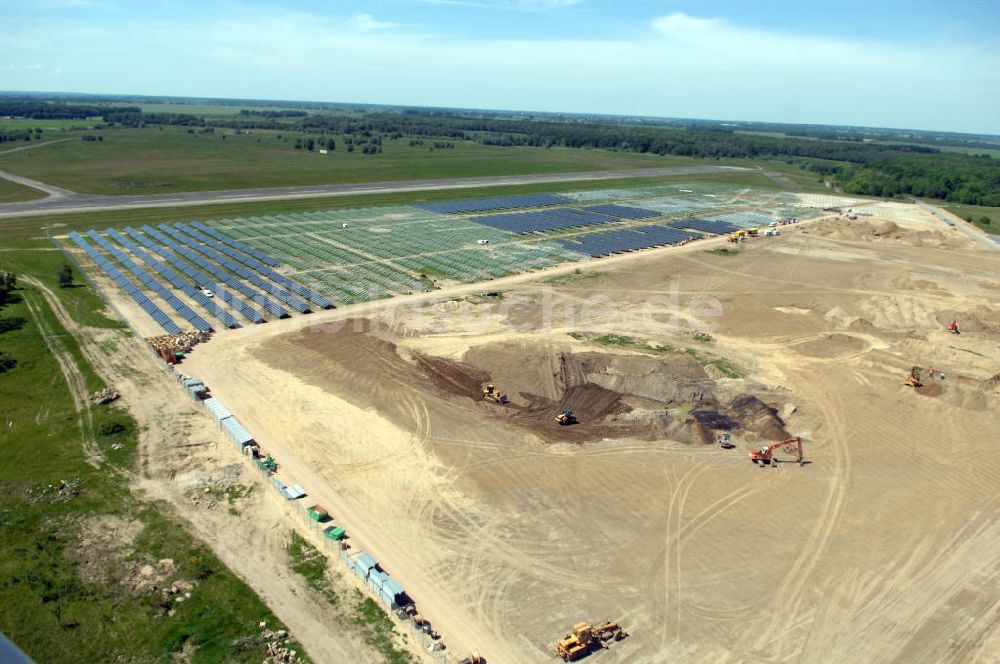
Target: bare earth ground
x,y
507,529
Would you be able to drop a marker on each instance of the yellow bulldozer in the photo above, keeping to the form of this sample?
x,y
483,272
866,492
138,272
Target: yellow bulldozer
x,y
566,418
737,236
491,393
585,637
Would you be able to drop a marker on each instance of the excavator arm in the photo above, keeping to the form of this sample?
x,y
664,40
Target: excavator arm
x,y
765,454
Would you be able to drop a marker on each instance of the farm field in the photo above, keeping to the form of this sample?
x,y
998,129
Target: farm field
x,y
507,528
169,159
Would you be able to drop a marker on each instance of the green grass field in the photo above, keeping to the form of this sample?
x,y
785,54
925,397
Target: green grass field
x,y
169,159
48,125
66,595
12,193
977,214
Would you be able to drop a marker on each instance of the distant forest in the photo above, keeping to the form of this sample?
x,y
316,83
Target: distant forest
x,y
842,157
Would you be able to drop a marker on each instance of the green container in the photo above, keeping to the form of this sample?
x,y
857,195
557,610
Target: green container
x,y
317,513
334,533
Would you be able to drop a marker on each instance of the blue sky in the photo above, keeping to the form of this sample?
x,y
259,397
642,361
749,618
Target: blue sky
x,y
917,64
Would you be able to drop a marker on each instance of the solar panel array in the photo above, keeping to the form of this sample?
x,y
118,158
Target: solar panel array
x,y
263,258
498,203
125,284
152,283
618,241
706,225
221,265
623,211
200,277
542,220
361,255
256,265
189,289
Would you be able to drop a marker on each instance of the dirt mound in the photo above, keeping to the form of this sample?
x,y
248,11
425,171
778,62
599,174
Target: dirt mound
x,y
991,384
885,229
452,377
756,416
832,345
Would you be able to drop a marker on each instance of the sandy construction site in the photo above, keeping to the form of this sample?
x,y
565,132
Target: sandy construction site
x,y
507,528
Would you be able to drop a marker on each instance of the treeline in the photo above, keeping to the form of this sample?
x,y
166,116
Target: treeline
x,y
137,118
273,114
951,177
40,110
12,135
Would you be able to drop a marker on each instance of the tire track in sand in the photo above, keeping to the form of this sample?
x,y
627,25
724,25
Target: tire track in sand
x,y
75,381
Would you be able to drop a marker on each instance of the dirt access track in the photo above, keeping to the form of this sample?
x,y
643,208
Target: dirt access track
x,y
507,529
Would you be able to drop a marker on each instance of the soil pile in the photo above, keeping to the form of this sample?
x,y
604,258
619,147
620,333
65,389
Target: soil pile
x,y
832,345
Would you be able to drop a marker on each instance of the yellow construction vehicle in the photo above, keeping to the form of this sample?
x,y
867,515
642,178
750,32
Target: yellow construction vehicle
x,y
566,418
737,236
474,658
585,637
753,232
491,393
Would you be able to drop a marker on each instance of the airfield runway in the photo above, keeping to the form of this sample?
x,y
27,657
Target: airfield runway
x,y
65,201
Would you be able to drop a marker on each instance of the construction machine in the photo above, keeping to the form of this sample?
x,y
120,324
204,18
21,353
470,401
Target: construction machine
x,y
491,393
913,380
737,236
473,658
953,328
753,232
764,456
726,441
566,418
585,636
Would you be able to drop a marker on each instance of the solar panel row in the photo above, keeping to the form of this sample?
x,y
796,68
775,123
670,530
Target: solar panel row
x,y
623,211
706,225
236,244
123,282
214,268
613,242
200,277
542,220
154,285
498,203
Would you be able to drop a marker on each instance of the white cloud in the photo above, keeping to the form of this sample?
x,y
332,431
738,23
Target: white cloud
x,y
368,22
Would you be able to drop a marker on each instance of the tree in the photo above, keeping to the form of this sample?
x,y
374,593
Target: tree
x,y
65,276
984,220
10,281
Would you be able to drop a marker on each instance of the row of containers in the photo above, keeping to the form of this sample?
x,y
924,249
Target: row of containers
x,y
389,591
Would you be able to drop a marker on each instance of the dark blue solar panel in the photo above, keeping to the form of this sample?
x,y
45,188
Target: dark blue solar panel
x,y
498,203
706,225
623,211
542,220
613,242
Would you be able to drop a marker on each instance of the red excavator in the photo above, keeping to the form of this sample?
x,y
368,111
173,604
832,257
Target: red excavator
x,y
763,456
953,328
